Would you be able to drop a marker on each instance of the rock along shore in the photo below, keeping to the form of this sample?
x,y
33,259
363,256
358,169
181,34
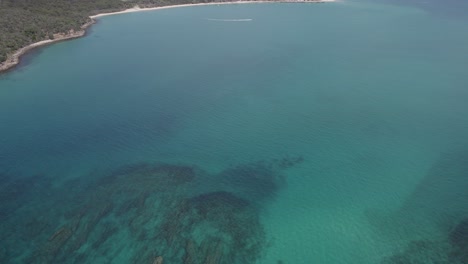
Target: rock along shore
x,y
14,59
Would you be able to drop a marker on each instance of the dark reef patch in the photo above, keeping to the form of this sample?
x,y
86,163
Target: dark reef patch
x,y
218,201
258,181
452,250
440,199
459,240
459,236
155,213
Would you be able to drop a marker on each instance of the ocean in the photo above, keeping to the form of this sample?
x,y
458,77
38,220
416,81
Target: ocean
x,y
272,133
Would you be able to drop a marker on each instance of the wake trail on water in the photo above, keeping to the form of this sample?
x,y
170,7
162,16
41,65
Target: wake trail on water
x,y
230,20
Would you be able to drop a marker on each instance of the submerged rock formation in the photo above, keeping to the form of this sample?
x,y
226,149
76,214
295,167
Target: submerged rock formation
x,y
161,213
459,240
439,200
453,250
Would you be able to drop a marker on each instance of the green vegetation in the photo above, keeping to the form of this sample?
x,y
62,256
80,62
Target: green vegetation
x,y
23,22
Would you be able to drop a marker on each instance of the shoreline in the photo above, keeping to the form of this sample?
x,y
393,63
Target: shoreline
x,y
139,9
14,59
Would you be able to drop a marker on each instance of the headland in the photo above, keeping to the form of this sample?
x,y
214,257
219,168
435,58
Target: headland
x,y
14,58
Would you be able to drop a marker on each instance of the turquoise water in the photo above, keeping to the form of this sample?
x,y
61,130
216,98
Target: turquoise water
x,y
328,133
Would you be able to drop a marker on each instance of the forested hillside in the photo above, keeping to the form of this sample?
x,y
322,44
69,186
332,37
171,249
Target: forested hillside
x,y
23,22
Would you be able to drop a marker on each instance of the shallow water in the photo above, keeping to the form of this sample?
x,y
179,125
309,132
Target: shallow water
x,y
330,133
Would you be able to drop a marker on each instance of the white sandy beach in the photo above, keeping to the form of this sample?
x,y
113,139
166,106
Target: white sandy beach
x,y
14,58
138,9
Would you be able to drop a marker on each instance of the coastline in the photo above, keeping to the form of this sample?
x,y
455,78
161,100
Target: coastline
x,y
14,59
138,9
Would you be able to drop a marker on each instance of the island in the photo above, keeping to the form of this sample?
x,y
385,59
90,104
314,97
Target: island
x,y
25,25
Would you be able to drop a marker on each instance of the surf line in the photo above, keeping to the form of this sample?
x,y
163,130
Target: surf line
x,y
230,20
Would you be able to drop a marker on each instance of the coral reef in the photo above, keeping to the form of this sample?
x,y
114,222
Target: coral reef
x,y
154,212
440,199
258,181
459,240
453,250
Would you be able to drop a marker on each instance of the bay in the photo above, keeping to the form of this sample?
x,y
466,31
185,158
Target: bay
x,y
257,133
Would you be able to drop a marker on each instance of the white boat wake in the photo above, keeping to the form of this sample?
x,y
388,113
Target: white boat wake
x,y
230,20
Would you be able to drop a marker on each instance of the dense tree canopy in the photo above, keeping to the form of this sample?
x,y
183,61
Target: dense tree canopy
x,y
23,22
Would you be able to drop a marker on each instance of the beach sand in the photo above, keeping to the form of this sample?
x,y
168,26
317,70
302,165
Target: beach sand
x,y
138,9
14,59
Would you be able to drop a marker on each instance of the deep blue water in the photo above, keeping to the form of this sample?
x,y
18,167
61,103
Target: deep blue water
x,y
312,133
